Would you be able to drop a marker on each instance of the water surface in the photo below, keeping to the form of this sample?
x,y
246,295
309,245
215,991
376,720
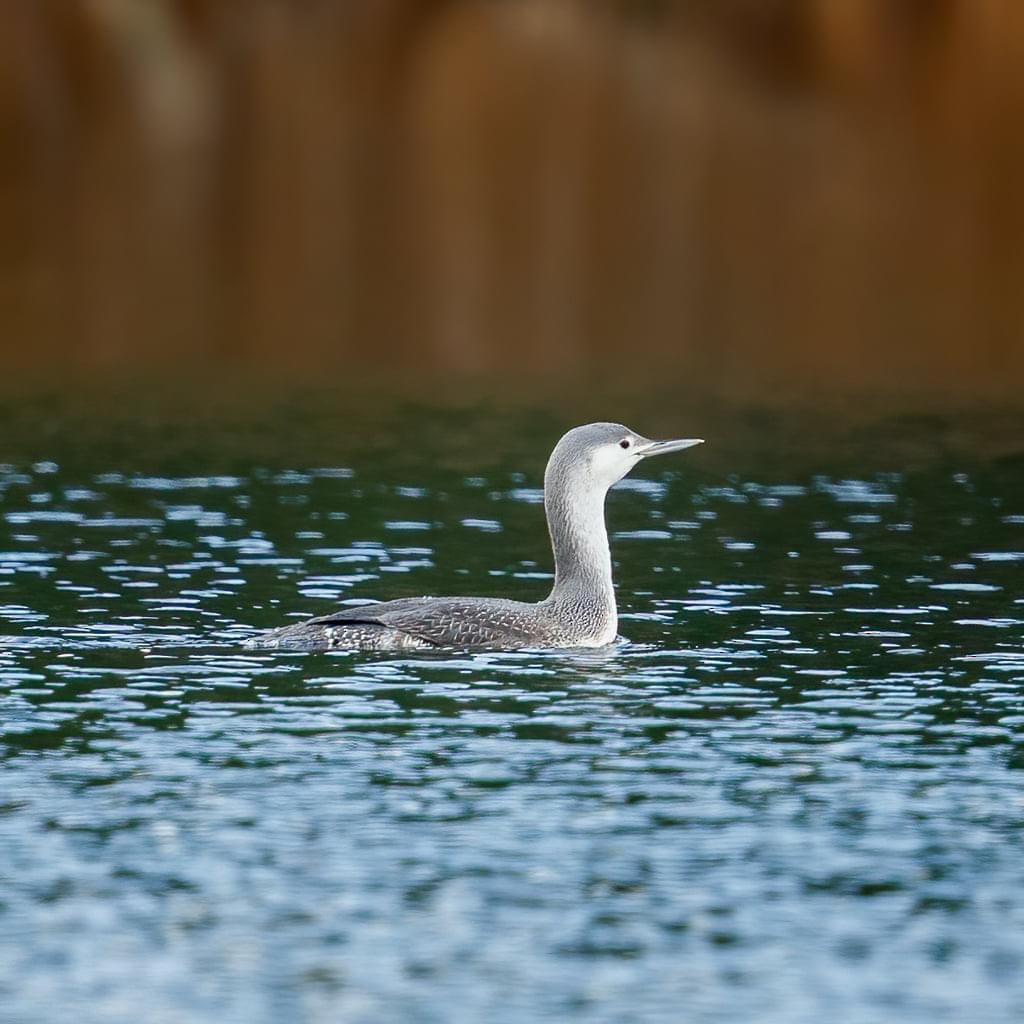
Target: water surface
x,y
794,790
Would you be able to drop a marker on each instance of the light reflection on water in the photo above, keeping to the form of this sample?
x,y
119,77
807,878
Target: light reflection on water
x,y
796,786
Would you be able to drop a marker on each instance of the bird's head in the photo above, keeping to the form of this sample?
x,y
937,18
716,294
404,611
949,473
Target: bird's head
x,y
599,455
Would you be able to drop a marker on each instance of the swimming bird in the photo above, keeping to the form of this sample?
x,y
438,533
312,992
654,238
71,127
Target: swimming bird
x,y
580,611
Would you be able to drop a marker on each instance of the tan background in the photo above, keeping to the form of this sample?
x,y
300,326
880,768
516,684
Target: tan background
x,y
818,195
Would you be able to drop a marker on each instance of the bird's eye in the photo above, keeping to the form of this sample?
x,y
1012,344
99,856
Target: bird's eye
x,y
624,443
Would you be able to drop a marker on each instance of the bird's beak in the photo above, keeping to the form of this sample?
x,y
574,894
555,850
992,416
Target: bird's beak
x,y
664,447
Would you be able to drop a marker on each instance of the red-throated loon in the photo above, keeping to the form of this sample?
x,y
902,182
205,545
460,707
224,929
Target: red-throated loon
x,y
580,611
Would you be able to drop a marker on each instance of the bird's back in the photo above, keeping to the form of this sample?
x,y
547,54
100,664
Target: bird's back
x,y
423,623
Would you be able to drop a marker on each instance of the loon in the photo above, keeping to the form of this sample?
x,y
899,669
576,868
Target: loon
x,y
580,611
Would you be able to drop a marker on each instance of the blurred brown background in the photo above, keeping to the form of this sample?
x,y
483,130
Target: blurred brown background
x,y
819,195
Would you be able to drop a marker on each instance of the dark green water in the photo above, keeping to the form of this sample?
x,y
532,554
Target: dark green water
x,y
794,793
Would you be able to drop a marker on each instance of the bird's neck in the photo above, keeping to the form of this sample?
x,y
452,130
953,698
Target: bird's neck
x,y
579,541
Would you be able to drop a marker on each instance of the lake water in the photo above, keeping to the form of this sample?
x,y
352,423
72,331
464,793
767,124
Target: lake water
x,y
795,791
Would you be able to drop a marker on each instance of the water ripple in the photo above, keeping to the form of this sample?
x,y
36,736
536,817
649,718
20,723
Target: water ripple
x,y
795,786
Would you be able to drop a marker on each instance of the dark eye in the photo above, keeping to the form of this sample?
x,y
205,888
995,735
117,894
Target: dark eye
x,y
624,443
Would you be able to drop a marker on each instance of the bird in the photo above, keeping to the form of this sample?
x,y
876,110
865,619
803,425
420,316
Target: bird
x,y
580,611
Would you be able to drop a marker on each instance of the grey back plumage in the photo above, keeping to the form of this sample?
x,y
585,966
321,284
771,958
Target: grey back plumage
x,y
452,621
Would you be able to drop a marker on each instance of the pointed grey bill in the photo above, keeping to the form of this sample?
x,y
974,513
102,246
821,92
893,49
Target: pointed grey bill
x,y
664,447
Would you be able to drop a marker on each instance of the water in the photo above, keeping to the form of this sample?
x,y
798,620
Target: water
x,y
796,789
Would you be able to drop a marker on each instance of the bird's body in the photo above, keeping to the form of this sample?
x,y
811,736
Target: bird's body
x,y
579,612
454,622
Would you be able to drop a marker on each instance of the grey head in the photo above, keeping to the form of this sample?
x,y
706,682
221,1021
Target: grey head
x,y
592,458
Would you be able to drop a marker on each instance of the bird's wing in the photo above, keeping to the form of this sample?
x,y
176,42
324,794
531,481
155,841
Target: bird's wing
x,y
446,622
